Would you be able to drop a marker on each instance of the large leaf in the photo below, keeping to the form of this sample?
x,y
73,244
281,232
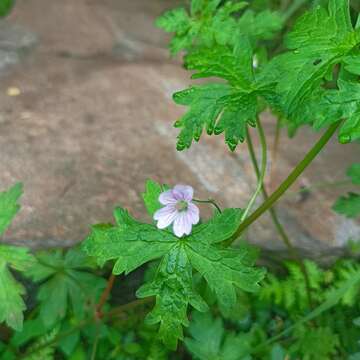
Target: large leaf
x,y
65,283
132,244
319,40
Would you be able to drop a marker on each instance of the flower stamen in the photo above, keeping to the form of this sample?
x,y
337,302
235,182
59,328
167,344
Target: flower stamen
x,y
181,205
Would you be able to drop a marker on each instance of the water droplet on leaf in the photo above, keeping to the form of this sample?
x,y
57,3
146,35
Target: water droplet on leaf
x,y
177,124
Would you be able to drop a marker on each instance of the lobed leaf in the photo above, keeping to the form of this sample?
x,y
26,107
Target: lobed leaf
x,y
132,244
173,289
218,108
65,284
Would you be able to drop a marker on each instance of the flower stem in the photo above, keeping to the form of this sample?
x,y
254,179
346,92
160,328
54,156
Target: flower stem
x,y
104,296
260,173
274,217
298,170
209,201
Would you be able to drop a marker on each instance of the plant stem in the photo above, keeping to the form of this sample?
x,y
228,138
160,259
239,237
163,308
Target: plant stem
x,y
104,296
96,342
209,201
260,173
275,149
296,4
106,317
297,171
274,217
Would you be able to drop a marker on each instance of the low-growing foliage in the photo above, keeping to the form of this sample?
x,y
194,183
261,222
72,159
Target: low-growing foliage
x,y
203,294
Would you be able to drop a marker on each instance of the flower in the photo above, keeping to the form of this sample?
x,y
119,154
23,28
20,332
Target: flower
x,y
178,210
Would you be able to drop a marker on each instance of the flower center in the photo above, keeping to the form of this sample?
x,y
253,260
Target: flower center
x,y
181,205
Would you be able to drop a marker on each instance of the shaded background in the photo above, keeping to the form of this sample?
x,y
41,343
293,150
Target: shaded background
x,y
86,117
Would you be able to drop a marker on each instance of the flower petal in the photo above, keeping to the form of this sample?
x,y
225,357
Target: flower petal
x,y
183,192
182,224
167,197
193,213
165,216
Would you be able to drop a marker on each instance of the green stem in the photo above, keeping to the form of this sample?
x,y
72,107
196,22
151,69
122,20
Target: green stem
x,y
260,174
209,201
275,149
298,170
296,4
274,217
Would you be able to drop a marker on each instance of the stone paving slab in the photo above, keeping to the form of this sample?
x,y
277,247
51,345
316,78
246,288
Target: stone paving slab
x,y
90,124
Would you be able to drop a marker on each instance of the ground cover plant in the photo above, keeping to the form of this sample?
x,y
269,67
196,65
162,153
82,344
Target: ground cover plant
x,y
201,292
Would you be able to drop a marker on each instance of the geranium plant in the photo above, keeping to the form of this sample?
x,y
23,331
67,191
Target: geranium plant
x,y
203,294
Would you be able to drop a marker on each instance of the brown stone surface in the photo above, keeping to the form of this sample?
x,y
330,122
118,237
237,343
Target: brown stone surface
x,y
94,120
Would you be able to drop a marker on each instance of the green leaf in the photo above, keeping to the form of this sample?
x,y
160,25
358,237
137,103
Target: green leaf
x,y
176,20
319,40
235,65
220,107
9,205
225,270
354,173
173,290
133,244
211,23
6,6
47,352
348,206
151,196
207,334
319,343
210,341
64,280
217,108
219,228
261,26
343,103
11,292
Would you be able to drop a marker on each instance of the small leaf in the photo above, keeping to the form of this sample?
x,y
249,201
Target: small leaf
x,y
151,196
354,173
9,205
6,6
348,206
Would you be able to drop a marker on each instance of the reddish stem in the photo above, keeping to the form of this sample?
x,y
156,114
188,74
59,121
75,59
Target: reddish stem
x,y
104,296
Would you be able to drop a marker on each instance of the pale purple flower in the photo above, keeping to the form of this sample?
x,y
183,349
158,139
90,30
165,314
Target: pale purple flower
x,y
178,210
